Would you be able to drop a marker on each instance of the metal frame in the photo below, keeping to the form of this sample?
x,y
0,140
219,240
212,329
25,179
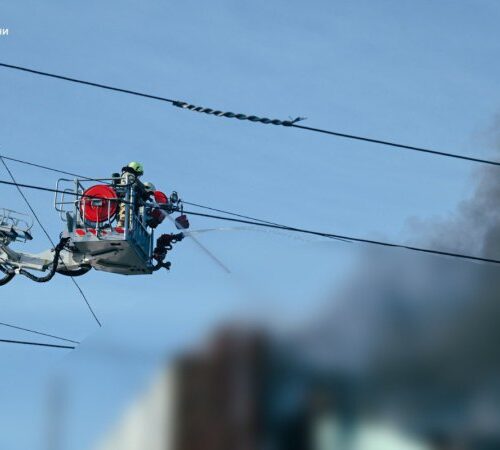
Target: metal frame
x,y
126,251
134,230
20,224
77,193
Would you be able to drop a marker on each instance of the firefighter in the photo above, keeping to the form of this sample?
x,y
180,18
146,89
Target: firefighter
x,y
130,180
149,190
157,214
144,198
164,206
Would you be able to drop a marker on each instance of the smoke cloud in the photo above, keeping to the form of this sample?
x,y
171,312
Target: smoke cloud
x,y
422,332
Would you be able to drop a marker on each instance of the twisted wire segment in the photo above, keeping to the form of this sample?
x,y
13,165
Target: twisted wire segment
x,y
231,115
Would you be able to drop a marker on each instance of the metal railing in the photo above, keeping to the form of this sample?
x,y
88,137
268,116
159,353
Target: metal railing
x,y
134,226
19,224
74,204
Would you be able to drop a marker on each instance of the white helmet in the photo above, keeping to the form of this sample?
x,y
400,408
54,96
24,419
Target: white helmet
x,y
149,187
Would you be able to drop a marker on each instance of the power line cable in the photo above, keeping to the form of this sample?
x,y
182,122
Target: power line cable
x,y
52,169
88,83
28,163
306,231
396,145
38,344
56,191
37,332
14,182
244,216
351,238
230,213
205,250
49,238
253,118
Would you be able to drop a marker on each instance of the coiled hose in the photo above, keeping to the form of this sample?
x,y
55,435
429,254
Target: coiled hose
x,y
57,251
75,273
9,274
163,246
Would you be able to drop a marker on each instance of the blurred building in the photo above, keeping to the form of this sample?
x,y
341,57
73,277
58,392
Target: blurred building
x,y
242,392
210,399
150,422
220,394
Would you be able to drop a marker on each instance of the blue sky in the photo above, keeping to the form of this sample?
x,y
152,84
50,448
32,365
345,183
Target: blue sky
x,y
423,73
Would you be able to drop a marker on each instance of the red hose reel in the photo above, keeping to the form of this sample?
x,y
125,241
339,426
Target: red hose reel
x,y
99,204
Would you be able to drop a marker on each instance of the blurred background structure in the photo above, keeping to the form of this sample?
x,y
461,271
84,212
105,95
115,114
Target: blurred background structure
x,y
245,390
405,357
242,392
343,347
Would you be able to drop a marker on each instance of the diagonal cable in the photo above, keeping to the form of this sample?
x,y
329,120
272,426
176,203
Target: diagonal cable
x,y
38,344
35,215
51,169
28,330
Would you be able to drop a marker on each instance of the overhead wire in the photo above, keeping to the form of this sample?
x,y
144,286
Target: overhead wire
x,y
58,191
54,191
397,145
35,215
351,238
205,250
307,231
88,83
242,216
28,330
292,123
51,169
37,344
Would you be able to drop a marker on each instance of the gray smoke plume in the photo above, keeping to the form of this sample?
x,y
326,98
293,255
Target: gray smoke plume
x,y
422,333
